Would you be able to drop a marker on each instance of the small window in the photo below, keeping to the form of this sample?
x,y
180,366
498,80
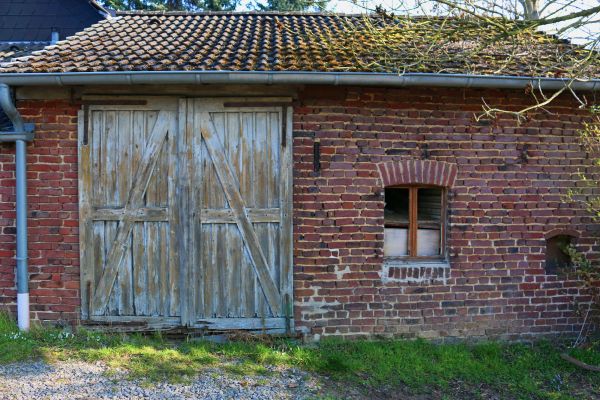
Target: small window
x,y
414,222
557,259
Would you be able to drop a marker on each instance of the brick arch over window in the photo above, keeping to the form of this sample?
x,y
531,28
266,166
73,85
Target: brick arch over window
x,y
417,172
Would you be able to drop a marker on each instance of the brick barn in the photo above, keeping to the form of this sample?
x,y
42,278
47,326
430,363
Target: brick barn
x,y
218,171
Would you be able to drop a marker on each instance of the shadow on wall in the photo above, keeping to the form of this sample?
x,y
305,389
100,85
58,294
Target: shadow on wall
x,y
5,124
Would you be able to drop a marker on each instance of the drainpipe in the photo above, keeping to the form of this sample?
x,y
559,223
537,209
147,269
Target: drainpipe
x,y
54,37
21,134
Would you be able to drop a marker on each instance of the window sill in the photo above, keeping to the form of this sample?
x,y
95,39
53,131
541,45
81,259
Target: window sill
x,y
415,262
416,271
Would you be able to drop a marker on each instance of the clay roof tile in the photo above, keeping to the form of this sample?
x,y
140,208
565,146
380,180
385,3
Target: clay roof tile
x,y
291,42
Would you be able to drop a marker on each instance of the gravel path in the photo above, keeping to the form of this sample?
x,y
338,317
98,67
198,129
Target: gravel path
x,y
78,380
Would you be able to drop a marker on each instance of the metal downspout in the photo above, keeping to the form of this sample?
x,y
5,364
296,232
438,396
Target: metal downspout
x,y
22,133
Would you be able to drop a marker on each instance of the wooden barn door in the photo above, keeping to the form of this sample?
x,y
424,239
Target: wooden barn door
x,y
129,263
238,204
185,210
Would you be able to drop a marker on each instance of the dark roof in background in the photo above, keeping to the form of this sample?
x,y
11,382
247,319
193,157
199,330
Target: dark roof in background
x,y
12,50
26,26
33,20
291,42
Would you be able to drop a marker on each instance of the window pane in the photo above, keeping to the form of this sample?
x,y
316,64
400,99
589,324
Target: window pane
x,y
396,207
396,222
429,211
429,219
395,242
428,242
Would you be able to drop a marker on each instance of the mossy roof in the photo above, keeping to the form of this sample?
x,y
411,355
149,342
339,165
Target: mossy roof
x,y
305,42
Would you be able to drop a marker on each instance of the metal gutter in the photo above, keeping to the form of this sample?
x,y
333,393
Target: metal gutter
x,y
291,77
22,132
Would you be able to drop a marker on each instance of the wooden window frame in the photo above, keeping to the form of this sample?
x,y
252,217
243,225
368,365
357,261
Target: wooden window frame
x,y
413,224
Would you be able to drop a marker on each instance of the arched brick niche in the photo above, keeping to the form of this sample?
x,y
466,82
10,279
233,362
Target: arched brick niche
x,y
417,172
557,261
561,231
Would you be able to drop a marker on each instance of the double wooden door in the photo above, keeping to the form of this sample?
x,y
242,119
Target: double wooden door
x,y
185,210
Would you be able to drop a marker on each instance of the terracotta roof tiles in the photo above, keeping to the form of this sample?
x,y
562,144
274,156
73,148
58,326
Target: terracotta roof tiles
x,y
295,42
9,51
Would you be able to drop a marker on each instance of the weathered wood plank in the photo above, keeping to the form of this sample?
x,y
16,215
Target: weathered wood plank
x,y
139,245
218,262
140,277
235,264
248,191
227,215
221,266
171,171
211,287
218,197
99,256
227,104
198,171
151,229
164,279
98,247
125,144
275,147
286,223
85,224
148,214
134,319
111,194
132,323
185,242
112,92
240,323
114,102
152,324
161,174
274,144
236,202
232,263
255,104
152,103
262,172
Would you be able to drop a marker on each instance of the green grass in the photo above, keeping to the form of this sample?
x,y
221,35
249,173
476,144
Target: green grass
x,y
523,371
509,370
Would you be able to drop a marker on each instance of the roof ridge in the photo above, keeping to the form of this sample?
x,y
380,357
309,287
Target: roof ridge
x,y
248,12
286,13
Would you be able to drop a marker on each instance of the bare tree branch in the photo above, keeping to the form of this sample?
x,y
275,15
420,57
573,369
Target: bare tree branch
x,y
568,17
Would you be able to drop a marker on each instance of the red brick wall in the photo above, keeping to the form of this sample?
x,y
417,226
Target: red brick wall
x,y
506,197
53,207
